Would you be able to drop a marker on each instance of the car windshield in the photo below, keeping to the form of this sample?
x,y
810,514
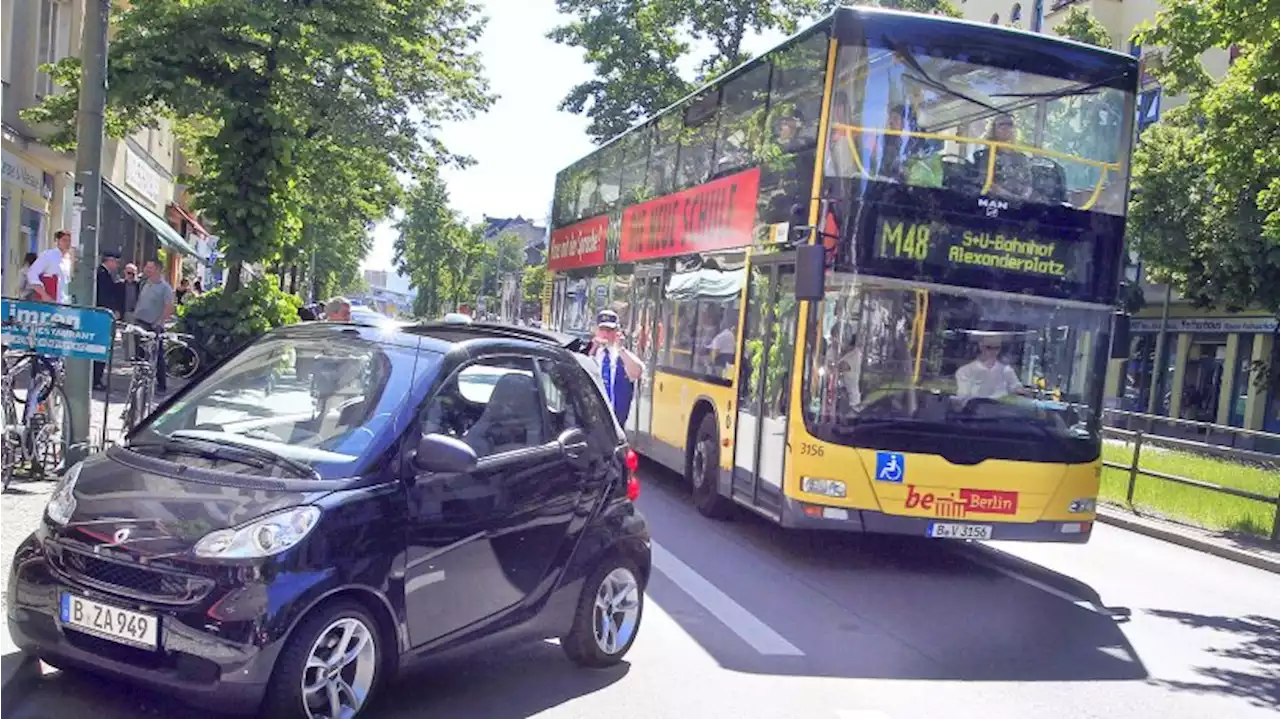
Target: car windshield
x,y
906,117
319,401
956,363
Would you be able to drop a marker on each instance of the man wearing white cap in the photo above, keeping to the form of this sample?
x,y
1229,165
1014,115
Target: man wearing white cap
x,y
619,366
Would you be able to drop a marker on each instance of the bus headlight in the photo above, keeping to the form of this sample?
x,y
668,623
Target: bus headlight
x,y
1083,506
825,487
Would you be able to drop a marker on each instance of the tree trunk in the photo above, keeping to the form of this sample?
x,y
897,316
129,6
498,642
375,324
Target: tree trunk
x,y
233,277
293,279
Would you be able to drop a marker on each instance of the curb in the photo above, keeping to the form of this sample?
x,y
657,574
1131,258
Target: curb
x,y
1135,524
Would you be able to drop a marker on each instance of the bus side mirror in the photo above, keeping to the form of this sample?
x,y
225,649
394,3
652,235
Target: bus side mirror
x,y
810,272
1120,336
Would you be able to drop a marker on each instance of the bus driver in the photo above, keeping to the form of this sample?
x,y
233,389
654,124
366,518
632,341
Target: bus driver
x,y
986,377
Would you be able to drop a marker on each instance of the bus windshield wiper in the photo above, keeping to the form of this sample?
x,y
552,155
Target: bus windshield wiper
x,y
927,80
1090,89
301,468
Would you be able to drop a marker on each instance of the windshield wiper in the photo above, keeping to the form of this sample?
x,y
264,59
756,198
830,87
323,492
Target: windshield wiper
x,y
301,468
1090,89
929,81
169,446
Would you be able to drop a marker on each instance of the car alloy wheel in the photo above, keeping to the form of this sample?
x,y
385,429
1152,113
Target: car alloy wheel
x,y
616,614
340,670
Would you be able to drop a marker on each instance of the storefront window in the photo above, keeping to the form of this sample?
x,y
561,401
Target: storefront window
x,y
1242,381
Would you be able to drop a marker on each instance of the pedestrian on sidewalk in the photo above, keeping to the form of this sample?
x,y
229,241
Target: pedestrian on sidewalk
x,y
155,307
30,290
337,309
129,300
110,296
50,274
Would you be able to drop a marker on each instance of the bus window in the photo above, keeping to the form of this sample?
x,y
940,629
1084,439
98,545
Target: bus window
x,y
588,188
698,141
609,172
904,116
662,158
795,94
741,119
635,161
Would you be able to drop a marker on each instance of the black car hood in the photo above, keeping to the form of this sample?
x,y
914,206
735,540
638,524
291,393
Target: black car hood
x,y
164,512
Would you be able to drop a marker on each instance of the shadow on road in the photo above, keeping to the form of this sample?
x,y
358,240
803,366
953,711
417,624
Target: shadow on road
x,y
512,684
874,606
1254,647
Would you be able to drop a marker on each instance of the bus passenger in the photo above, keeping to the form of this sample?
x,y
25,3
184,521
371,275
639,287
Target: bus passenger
x,y
1013,169
987,377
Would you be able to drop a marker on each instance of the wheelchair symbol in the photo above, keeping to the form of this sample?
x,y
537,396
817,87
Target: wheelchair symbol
x,y
890,467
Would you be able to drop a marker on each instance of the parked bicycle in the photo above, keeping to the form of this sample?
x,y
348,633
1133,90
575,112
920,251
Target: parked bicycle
x,y
142,385
181,356
37,423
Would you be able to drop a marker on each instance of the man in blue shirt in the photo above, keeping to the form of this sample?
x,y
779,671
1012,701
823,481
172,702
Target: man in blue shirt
x,y
620,368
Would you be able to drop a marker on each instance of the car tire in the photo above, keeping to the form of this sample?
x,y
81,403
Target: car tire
x,y
614,591
354,682
703,471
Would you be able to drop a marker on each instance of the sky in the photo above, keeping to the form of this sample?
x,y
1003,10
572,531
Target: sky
x,y
523,140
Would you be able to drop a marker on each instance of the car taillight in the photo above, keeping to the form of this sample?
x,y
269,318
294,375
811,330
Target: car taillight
x,y
633,461
633,488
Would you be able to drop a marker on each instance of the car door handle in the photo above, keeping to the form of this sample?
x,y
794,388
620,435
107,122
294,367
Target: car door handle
x,y
575,450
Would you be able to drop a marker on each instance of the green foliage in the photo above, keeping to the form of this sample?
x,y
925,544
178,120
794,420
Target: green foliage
x,y
1205,214
635,47
1080,25
440,254
534,279
224,320
280,87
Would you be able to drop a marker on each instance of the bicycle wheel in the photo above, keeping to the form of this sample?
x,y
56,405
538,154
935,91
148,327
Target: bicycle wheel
x,y
12,444
51,439
181,361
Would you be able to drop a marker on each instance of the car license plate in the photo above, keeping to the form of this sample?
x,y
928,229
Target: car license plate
x,y
108,622
944,530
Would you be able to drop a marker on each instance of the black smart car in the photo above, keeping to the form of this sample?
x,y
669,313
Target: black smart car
x,y
334,501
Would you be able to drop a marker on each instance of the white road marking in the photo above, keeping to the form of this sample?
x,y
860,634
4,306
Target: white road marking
x,y
978,558
721,606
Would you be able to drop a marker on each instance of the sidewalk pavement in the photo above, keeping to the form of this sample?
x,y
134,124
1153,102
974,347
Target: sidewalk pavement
x,y
1253,551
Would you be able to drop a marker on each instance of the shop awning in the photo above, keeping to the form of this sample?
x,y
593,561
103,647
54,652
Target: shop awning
x,y
191,219
168,236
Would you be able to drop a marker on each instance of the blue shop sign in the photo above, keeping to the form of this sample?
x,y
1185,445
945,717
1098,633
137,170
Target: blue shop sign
x,y
57,330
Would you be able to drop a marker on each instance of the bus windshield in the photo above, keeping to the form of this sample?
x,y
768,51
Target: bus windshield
x,y
905,117
931,365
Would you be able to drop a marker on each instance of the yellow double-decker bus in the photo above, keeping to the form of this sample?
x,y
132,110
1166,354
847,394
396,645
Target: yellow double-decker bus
x,y
872,274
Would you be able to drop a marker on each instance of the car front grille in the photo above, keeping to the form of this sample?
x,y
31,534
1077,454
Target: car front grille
x,y
138,582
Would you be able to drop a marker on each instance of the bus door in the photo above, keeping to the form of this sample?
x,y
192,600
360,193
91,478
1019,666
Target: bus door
x,y
644,335
768,345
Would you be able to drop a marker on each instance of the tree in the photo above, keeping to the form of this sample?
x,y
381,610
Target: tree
x,y
1080,25
272,79
1205,214
532,284
635,46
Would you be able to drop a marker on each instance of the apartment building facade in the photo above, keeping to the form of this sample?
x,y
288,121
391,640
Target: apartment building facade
x,y
144,210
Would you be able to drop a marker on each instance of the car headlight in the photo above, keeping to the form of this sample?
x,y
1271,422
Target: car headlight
x,y
63,502
262,537
818,485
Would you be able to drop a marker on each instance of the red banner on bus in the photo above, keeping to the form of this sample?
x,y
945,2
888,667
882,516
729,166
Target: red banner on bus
x,y
718,215
578,245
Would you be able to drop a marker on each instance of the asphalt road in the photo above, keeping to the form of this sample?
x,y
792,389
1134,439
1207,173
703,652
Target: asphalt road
x,y
745,620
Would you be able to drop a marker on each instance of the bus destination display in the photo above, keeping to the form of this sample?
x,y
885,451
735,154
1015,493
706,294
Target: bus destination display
x,y
944,246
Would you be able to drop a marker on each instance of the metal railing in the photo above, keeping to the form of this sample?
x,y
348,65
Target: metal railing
x,y
1207,432
1137,439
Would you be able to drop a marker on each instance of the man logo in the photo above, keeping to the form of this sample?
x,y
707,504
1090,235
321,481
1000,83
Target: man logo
x,y
992,207
122,535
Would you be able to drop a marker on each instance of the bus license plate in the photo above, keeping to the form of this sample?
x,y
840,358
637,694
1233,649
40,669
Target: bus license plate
x,y
943,530
108,622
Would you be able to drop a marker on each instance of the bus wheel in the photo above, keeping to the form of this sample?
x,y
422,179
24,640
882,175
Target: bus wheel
x,y
704,471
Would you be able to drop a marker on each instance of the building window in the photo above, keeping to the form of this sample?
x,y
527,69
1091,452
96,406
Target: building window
x,y
995,18
52,42
1016,14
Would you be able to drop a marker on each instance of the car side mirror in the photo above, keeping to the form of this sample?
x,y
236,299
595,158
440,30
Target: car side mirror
x,y
573,443
444,455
